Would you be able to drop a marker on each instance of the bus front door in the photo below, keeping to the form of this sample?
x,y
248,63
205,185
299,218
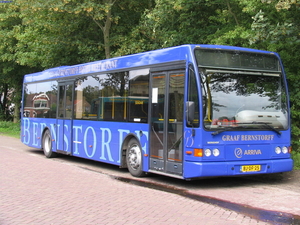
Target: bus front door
x,y
166,122
64,117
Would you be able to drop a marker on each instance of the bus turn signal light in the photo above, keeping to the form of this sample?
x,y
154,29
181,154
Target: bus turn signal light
x,y
198,152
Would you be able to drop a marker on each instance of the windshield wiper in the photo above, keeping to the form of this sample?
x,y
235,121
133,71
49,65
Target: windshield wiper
x,y
265,124
254,122
226,129
220,131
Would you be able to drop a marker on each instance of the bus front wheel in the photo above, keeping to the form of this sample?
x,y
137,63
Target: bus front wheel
x,y
134,158
47,145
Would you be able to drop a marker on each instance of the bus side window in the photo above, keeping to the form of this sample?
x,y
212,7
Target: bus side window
x,y
40,100
193,96
138,96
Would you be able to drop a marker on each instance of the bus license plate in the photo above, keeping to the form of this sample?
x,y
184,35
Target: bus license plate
x,y
250,168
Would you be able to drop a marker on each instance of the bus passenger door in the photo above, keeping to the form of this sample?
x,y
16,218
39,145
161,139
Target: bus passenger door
x,y
64,117
166,122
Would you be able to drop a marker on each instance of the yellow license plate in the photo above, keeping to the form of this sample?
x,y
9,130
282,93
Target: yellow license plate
x,y
251,168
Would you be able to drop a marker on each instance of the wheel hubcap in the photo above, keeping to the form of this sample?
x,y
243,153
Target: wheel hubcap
x,y
134,157
47,144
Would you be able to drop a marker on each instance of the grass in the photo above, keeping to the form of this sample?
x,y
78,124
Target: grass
x,y
13,130
296,158
10,129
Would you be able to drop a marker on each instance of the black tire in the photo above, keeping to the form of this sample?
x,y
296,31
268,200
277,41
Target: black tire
x,y
47,145
134,158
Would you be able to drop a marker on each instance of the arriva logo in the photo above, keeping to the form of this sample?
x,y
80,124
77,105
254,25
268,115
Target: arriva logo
x,y
239,152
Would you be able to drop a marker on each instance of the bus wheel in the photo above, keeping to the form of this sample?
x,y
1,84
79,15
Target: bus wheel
x,y
134,158
47,145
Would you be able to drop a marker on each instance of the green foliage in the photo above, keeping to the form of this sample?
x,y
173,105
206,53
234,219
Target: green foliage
x,y
277,29
296,158
56,33
52,37
11,73
37,35
10,129
170,23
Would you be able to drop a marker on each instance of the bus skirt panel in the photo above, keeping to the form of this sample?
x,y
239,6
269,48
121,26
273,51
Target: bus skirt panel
x,y
235,168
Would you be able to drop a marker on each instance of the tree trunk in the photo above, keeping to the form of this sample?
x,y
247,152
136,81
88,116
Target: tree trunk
x,y
232,13
17,113
4,102
106,43
17,98
106,29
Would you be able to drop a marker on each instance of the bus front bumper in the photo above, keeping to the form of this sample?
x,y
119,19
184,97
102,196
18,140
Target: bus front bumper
x,y
235,168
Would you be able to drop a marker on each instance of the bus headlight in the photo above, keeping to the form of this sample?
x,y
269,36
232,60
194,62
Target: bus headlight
x,y
285,150
207,152
278,150
216,152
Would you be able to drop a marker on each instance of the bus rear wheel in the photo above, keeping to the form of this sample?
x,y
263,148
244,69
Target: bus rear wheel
x,y
134,158
47,145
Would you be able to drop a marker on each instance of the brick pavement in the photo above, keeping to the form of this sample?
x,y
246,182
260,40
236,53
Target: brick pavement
x,y
36,190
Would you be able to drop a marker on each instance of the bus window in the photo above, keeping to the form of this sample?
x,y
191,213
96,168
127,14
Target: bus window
x,y
121,96
40,100
138,95
193,96
101,97
86,93
114,91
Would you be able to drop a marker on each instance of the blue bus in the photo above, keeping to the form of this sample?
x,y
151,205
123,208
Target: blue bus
x,y
188,112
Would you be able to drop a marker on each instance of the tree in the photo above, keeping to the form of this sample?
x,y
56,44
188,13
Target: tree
x,y
49,37
38,35
277,29
56,33
175,22
11,73
99,11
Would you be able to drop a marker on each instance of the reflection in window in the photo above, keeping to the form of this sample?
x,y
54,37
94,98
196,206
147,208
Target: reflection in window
x,y
175,117
121,96
193,95
40,100
244,98
138,95
176,87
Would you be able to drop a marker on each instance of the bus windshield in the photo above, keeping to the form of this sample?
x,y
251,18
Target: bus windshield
x,y
235,99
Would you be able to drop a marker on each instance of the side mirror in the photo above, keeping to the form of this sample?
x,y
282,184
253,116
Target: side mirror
x,y
190,112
